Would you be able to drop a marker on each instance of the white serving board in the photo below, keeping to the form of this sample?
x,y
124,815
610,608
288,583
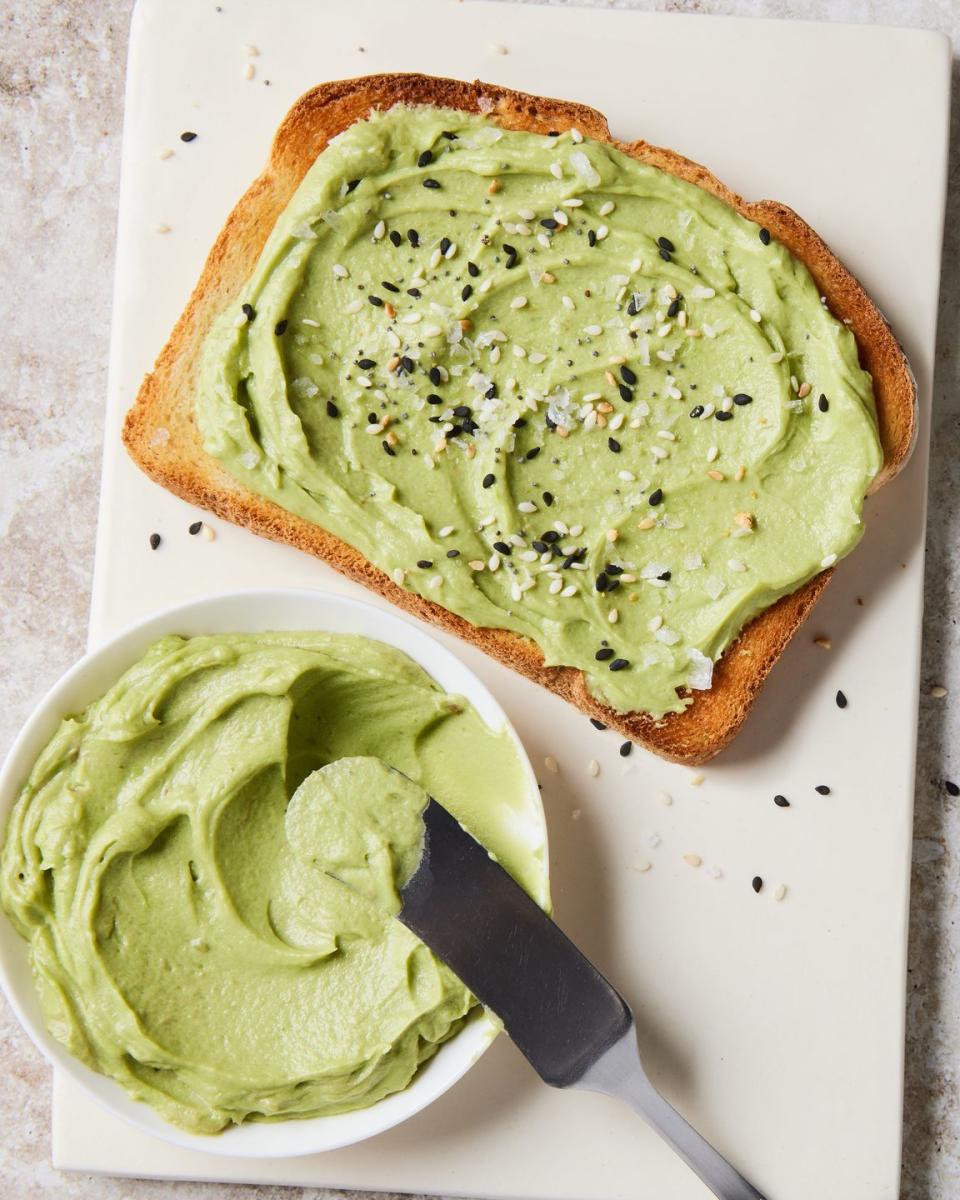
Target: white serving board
x,y
777,1028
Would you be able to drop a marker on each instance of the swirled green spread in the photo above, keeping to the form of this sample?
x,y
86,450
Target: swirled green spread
x,y
205,863
553,389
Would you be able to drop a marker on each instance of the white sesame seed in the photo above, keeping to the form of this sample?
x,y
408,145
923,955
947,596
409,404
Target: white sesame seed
x,y
446,531
602,232
518,302
693,860
207,532
593,767
613,616
166,152
493,562
654,623
775,357
527,506
537,357
573,202
551,764
667,435
428,461
374,427
340,271
665,798
515,591
411,318
527,214
570,589
486,521
431,331
450,251
640,865
735,564
543,240
435,258
754,315
607,208
627,476
593,330
250,50
560,217
239,320
575,530
780,892
556,585
828,561
435,582
576,136
556,170
364,382
353,307
397,575
697,778
938,691
476,564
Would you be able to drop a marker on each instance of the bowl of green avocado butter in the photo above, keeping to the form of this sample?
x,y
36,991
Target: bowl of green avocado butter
x,y
173,936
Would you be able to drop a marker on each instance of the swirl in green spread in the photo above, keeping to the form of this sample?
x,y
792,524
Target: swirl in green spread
x,y
171,861
549,387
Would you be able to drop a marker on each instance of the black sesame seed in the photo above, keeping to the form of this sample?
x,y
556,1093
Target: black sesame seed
x,y
351,185
395,237
665,244
453,554
407,363
632,309
491,392
665,576
597,724
413,237
723,416
619,664
376,301
625,749
533,452
665,255
540,547
436,376
281,327
503,547
332,410
601,656
488,480
655,497
248,311
551,535
614,445
433,398
424,564
472,269
425,159
188,136
674,307
388,449
841,700
519,422
548,498
613,569
696,411
781,802
467,291
431,183
371,418
195,528
628,376
625,393
450,136
414,292
366,364
756,883
953,789
462,410
765,236
822,789
823,403
391,287
602,584
550,223
155,540
742,398
591,237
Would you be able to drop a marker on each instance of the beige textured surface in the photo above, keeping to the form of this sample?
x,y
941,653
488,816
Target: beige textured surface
x,y
61,80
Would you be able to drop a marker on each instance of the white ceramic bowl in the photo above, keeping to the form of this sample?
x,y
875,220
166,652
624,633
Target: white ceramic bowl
x,y
252,611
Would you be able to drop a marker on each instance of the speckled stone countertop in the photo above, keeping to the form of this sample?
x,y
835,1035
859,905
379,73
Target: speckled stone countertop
x,y
61,110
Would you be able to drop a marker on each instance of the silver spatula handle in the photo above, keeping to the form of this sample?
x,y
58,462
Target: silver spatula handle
x,y
618,1072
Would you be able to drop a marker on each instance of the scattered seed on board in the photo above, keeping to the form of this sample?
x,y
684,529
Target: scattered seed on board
x,y
641,865
822,790
625,749
195,528
938,692
665,799
953,789
781,801
693,860
756,883
593,767
841,700
780,892
823,642
155,540
551,764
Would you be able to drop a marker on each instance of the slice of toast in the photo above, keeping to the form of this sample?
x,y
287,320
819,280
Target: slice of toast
x,y
161,435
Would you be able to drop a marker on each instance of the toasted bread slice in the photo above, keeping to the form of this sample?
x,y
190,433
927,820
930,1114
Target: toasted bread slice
x,y
161,435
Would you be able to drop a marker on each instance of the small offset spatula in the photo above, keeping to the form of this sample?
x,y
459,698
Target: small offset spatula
x,y
570,1023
